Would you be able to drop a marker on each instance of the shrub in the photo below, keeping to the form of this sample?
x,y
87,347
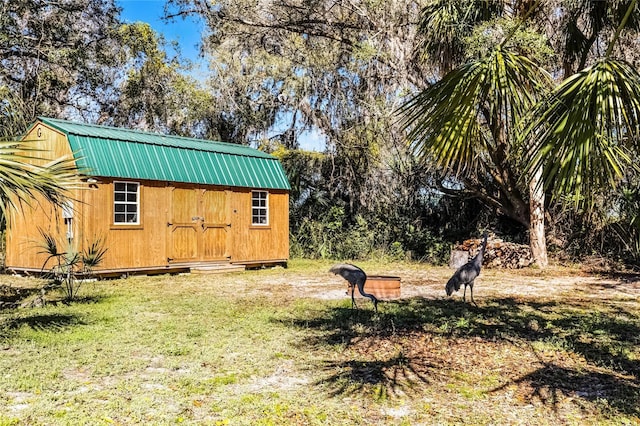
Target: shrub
x,y
70,269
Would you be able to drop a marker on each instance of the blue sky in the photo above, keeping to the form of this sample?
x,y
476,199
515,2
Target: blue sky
x,y
187,33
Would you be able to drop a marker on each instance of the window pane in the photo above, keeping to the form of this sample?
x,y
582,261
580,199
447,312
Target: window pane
x,y
126,202
259,208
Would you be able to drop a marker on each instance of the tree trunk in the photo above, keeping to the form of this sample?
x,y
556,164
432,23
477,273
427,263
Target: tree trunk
x,y
537,239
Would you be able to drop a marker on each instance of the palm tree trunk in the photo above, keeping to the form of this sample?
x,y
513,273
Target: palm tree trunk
x,y
537,239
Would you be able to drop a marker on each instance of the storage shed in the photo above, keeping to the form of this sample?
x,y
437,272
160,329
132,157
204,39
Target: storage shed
x,y
159,203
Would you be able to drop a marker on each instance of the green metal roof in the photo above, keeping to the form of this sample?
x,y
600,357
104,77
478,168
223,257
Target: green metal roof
x,y
122,153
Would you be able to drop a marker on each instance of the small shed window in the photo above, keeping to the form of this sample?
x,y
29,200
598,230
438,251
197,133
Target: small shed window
x,y
259,208
126,203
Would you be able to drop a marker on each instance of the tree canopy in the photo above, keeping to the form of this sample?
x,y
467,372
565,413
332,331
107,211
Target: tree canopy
x,y
59,56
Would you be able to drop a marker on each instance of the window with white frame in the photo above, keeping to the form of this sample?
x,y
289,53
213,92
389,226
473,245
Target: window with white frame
x,y
126,203
259,208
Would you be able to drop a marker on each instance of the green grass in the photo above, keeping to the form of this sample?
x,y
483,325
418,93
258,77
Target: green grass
x,y
243,349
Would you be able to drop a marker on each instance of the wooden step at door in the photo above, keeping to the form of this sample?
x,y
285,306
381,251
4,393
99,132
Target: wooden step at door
x,y
216,269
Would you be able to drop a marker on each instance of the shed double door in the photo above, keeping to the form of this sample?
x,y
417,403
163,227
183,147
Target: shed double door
x,y
199,226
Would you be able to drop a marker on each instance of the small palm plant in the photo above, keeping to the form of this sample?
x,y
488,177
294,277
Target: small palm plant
x,y
93,256
70,269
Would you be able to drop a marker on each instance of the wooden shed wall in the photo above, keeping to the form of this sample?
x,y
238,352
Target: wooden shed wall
x,y
23,239
258,243
179,224
49,143
129,246
23,244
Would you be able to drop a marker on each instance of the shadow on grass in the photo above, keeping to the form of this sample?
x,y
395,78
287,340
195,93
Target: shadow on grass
x,y
14,297
624,278
52,322
87,300
395,376
551,382
11,297
45,322
605,334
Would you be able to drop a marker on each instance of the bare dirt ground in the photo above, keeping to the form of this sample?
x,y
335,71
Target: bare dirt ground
x,y
417,281
429,282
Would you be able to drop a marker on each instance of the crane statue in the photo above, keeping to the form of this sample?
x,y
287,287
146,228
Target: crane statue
x,y
467,273
355,277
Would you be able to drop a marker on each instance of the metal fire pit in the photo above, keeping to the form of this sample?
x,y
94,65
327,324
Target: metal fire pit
x,y
381,286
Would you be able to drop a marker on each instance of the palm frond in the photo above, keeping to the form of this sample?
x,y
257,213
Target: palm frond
x,y
444,24
48,245
71,261
23,175
94,254
581,135
473,109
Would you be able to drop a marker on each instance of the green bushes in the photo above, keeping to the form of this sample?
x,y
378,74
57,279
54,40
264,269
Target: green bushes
x,y
333,236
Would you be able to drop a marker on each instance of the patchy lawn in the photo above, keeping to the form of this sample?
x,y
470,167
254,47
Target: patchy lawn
x,y
283,346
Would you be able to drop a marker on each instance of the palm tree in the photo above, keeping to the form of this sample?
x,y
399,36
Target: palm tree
x,y
467,123
577,140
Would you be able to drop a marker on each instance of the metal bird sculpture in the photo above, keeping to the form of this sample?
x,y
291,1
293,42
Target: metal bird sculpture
x,y
356,277
467,273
